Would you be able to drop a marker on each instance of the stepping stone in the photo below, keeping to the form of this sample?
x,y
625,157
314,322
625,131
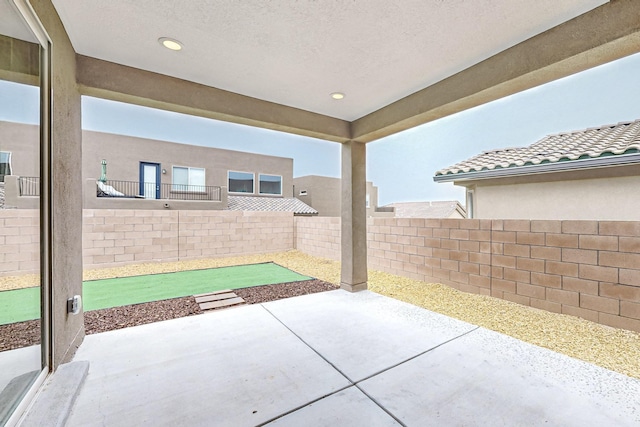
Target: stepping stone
x,y
218,299
223,303
215,297
224,291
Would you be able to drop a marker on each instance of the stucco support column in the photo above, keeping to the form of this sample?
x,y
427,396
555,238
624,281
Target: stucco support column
x,y
67,330
354,217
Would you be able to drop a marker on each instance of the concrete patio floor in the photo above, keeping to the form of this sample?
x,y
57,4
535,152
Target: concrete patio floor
x,y
337,358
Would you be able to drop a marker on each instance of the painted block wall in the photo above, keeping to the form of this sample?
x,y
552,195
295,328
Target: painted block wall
x,y
589,269
114,237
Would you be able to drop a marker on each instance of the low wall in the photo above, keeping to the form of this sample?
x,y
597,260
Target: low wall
x,y
589,269
19,241
114,237
318,236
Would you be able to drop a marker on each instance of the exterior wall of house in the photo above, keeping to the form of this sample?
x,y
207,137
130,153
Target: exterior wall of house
x,y
607,198
124,154
12,197
323,193
22,141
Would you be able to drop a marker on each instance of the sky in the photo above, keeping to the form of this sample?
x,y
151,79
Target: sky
x,y
401,165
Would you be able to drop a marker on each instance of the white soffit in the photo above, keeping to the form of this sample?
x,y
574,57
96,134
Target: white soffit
x,y
12,24
297,53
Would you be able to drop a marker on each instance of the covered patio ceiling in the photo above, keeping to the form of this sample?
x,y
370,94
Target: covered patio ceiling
x,y
275,63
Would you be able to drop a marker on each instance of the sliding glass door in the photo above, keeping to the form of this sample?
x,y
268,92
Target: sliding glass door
x,y
24,208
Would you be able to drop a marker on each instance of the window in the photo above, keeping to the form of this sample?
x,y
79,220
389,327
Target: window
x,y
5,164
303,192
367,201
240,182
187,179
271,184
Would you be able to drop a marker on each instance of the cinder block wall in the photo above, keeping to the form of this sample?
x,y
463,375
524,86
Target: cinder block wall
x,y
589,269
114,237
19,241
318,236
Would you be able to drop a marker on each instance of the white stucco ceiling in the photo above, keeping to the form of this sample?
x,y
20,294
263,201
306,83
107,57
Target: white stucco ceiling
x,y
12,23
297,52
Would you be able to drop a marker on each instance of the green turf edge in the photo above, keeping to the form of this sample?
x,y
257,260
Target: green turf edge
x,y
24,304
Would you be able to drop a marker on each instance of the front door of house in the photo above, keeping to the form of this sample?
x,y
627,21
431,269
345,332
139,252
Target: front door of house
x,y
150,180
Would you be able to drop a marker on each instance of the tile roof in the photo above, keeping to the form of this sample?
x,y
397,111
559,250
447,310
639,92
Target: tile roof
x,y
608,140
439,209
282,204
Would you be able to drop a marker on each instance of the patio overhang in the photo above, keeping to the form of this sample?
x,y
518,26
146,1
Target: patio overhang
x,y
118,82
606,33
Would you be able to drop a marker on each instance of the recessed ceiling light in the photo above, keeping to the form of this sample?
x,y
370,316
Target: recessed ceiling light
x,y
172,44
337,95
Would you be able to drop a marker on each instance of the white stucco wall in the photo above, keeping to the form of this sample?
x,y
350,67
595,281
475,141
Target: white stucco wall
x,y
594,199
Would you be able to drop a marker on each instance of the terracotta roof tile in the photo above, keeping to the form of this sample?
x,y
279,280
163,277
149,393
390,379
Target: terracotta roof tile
x,y
622,138
281,204
438,209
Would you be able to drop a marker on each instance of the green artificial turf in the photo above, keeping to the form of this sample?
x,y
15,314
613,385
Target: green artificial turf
x,y
23,304
19,305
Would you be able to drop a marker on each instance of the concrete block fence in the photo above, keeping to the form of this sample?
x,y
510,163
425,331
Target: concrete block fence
x,y
318,236
114,237
19,241
589,269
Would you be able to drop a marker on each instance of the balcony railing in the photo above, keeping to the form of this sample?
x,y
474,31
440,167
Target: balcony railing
x,y
150,190
29,185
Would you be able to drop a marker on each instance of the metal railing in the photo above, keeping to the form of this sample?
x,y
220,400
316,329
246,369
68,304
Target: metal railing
x,y
29,185
150,190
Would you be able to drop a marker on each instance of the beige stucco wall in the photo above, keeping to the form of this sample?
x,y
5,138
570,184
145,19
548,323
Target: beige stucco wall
x,y
124,154
23,142
597,199
66,201
323,194
456,215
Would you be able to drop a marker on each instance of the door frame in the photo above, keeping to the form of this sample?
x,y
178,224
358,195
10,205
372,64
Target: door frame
x,y
158,177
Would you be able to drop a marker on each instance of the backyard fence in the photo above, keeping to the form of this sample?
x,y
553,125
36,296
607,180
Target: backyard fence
x,y
114,237
589,269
